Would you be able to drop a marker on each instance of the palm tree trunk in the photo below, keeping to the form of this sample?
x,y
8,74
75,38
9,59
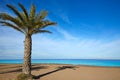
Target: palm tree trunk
x,y
27,55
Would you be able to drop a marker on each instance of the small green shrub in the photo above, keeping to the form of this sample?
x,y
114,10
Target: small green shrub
x,y
23,76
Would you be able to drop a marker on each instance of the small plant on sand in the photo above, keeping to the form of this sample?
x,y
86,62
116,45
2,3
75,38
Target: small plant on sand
x,y
23,76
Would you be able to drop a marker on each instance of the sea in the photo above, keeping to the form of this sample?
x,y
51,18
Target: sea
x,y
87,62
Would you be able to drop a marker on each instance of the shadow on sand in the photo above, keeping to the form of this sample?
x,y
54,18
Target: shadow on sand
x,y
56,70
19,69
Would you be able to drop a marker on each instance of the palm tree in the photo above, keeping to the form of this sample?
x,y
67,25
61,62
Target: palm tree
x,y
28,24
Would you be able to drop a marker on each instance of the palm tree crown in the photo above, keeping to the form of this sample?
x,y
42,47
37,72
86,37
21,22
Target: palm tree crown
x,y
31,23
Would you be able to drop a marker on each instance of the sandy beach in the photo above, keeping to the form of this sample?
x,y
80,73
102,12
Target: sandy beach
x,y
61,72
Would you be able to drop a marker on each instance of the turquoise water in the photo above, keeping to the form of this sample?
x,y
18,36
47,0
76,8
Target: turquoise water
x,y
89,62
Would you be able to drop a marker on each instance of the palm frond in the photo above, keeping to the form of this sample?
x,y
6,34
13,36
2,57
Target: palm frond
x,y
41,15
11,25
5,16
41,31
25,18
32,12
42,24
15,11
47,23
37,24
24,10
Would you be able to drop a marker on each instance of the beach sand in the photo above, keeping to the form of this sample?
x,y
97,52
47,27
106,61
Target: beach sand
x,y
61,72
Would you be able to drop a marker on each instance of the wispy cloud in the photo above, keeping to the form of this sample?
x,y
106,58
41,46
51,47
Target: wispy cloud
x,y
73,47
61,12
11,46
65,18
66,35
79,49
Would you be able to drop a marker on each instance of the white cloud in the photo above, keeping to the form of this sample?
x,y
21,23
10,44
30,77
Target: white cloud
x,y
66,35
11,46
77,49
65,18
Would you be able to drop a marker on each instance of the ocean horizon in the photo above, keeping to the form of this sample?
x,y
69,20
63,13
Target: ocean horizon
x,y
87,62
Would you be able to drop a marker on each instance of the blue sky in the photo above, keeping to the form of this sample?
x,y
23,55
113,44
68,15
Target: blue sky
x,y
86,29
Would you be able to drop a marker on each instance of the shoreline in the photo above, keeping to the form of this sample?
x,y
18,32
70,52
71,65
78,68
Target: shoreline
x,y
84,62
60,64
62,72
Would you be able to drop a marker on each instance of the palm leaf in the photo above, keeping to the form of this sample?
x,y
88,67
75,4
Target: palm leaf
x,y
42,24
41,15
32,12
24,10
26,21
15,11
11,25
41,31
5,16
47,23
